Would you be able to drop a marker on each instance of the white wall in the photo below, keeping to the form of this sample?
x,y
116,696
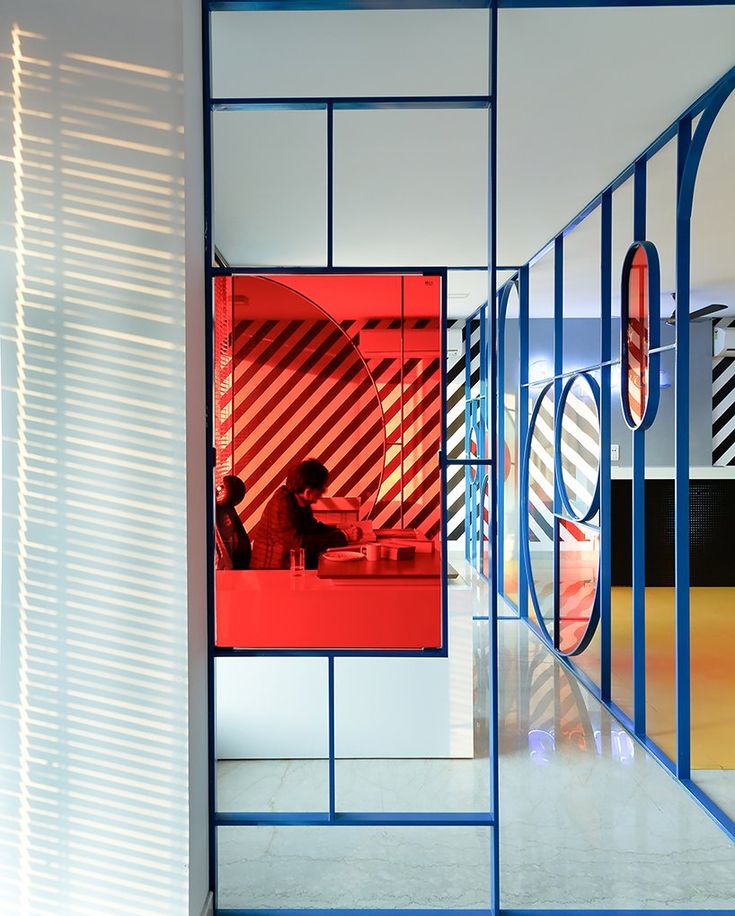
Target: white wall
x,y
94,702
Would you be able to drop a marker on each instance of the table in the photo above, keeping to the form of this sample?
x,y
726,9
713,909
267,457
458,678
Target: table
x,y
422,566
272,609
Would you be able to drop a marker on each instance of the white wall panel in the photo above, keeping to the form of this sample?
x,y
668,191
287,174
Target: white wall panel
x,y
350,53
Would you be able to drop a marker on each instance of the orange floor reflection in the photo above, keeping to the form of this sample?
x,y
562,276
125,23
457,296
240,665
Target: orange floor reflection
x,y
713,672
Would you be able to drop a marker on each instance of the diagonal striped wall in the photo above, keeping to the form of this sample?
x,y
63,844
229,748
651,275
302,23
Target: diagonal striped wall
x,y
301,388
723,406
456,497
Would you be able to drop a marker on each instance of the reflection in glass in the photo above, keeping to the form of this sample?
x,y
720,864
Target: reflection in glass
x,y
579,557
541,509
637,332
580,446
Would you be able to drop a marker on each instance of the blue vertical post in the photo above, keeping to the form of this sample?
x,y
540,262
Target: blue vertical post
x,y
558,370
467,438
493,590
209,441
330,184
605,443
639,503
332,780
523,300
483,432
681,465
503,297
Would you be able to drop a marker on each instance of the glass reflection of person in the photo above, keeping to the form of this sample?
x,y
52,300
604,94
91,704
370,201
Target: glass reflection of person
x,y
288,521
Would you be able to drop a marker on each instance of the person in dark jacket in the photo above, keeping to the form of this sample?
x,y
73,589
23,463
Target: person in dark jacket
x,y
288,521
231,540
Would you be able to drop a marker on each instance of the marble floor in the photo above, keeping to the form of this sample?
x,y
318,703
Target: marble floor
x,y
588,819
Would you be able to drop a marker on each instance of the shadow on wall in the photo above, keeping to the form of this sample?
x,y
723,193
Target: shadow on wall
x,y
93,753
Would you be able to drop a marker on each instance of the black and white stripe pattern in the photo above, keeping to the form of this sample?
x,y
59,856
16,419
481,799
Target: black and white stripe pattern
x,y
456,424
723,406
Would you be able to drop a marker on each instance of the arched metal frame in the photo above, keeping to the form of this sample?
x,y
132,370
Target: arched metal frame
x,y
689,150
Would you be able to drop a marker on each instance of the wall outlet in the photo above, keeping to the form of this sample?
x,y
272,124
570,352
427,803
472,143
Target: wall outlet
x,y
615,452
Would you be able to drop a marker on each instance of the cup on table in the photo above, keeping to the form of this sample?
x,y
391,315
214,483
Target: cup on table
x,y
370,551
297,561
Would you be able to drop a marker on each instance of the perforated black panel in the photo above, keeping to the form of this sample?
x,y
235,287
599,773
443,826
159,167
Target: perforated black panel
x,y
712,515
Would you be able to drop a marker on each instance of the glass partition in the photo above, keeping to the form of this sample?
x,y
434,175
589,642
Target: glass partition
x,y
350,53
270,187
510,457
410,187
329,515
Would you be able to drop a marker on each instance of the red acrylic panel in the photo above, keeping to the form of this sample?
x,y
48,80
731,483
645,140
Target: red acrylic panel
x,y
347,370
579,561
637,337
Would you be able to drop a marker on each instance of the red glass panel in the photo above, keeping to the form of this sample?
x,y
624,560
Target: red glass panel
x,y
346,370
637,334
579,557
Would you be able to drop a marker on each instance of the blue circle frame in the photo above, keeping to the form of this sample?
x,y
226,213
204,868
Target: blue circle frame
x,y
524,531
561,486
654,334
594,619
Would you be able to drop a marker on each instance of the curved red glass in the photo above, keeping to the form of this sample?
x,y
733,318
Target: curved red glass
x,y
637,336
579,563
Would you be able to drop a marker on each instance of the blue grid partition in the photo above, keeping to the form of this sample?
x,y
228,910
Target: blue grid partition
x,y
483,418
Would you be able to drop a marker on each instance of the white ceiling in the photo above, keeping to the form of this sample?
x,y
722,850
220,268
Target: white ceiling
x,y
581,93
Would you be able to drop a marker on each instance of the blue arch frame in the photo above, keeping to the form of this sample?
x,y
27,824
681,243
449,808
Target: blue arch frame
x,y
690,150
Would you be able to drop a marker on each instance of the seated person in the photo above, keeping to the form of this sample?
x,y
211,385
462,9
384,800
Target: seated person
x,y
288,521
231,540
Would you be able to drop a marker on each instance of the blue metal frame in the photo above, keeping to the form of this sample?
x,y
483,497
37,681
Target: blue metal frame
x,y
690,149
334,817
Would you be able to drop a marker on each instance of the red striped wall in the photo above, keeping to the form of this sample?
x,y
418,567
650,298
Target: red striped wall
x,y
302,388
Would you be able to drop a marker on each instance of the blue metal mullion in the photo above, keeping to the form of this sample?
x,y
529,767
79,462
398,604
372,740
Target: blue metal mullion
x,y
332,774
502,297
443,448
493,590
467,437
558,369
523,399
638,508
354,819
365,103
681,467
330,185
605,444
209,446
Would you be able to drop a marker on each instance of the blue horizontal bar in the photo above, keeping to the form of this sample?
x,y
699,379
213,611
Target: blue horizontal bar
x,y
469,462
382,271
255,5
363,103
671,911
353,819
335,911
592,4
243,652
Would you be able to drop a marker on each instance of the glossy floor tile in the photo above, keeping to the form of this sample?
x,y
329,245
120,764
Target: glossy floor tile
x,y
588,819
